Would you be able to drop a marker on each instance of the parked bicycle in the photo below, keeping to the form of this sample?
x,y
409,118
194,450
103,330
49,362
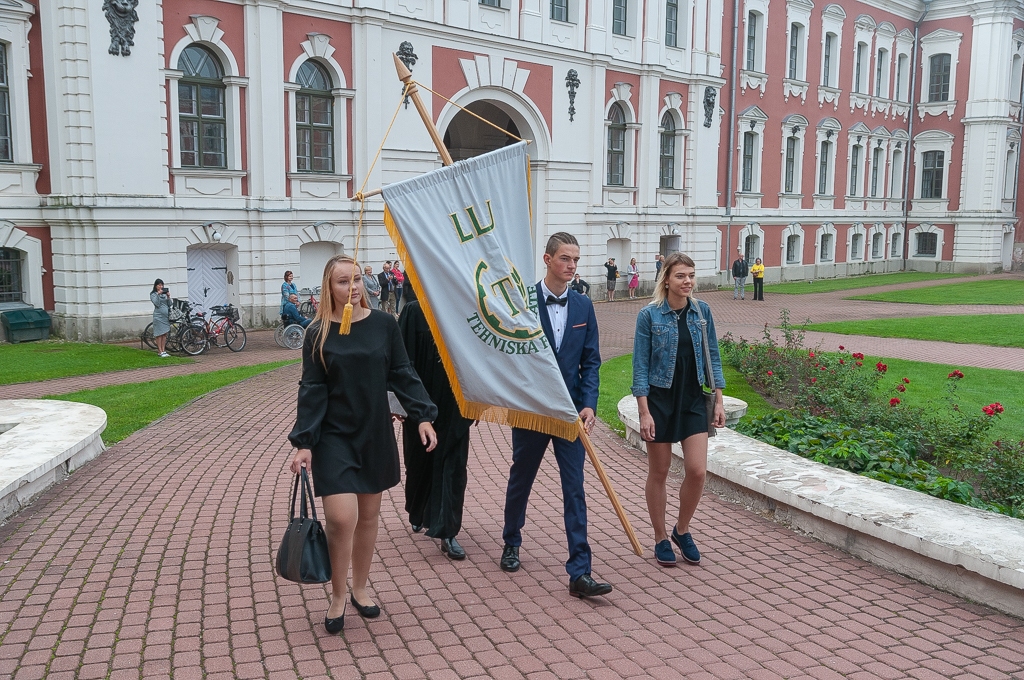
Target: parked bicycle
x,y
309,307
220,329
179,314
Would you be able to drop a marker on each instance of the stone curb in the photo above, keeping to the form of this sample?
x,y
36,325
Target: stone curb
x,y
965,551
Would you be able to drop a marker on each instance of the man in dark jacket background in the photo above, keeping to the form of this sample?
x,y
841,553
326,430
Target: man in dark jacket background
x,y
739,275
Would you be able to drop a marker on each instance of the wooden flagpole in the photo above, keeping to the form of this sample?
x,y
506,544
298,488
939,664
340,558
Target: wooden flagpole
x,y
405,75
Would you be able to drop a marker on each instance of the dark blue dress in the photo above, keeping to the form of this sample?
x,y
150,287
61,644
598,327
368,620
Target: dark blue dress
x,y
679,411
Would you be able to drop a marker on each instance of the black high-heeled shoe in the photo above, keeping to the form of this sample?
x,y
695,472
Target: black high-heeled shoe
x,y
336,624
370,612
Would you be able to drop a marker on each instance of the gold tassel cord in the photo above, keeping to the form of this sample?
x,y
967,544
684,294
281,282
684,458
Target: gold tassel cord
x,y
345,327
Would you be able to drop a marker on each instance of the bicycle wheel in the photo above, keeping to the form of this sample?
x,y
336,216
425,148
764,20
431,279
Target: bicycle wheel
x,y
192,340
306,309
146,339
279,336
293,336
174,338
234,336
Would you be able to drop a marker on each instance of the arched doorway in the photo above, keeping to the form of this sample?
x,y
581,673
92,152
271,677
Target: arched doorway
x,y
467,136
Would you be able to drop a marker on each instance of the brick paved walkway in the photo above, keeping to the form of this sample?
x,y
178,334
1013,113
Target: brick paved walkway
x,y
155,560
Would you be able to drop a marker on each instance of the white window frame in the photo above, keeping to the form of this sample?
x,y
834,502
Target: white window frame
x,y
827,229
932,140
673,105
15,23
857,136
798,12
821,135
759,7
204,31
1013,158
621,94
1016,70
876,229
879,139
885,38
318,47
753,120
797,231
752,229
898,143
941,41
903,48
857,229
832,18
789,124
861,67
926,228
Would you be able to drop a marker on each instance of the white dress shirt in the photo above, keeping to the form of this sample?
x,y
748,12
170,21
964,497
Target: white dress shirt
x,y
557,314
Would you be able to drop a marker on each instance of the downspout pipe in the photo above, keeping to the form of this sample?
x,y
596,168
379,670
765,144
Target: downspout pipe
x,y
908,157
733,84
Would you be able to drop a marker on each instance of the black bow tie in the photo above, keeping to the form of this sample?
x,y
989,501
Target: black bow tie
x,y
561,301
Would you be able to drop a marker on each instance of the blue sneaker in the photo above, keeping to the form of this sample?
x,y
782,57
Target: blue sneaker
x,y
664,553
686,546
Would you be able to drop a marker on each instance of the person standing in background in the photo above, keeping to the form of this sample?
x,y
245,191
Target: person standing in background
x,y
613,274
580,286
633,273
739,276
372,286
757,271
287,290
161,299
387,288
399,275
658,259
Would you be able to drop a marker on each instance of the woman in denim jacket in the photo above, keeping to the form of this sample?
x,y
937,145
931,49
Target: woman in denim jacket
x,y
668,367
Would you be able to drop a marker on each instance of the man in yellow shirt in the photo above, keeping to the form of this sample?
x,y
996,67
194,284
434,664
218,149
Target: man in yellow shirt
x,y
757,271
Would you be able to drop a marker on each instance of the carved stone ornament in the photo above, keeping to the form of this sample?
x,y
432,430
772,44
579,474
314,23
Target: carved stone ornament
x,y
121,16
407,57
709,105
572,81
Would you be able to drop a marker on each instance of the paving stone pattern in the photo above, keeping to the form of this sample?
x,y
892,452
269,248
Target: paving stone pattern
x,y
156,561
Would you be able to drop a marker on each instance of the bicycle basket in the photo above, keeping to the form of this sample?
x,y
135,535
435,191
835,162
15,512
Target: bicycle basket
x,y
228,311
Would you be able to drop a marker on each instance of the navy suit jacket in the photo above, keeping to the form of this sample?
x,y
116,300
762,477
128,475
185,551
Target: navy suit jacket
x,y
579,357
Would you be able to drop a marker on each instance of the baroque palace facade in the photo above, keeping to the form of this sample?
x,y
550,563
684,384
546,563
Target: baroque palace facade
x,y
216,143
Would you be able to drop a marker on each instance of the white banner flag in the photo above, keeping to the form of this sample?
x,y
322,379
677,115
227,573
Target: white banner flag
x,y
464,233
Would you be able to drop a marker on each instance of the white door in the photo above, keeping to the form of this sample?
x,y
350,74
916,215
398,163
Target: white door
x,y
207,277
1007,259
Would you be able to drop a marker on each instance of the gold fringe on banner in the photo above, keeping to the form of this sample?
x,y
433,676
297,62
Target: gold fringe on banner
x,y
472,409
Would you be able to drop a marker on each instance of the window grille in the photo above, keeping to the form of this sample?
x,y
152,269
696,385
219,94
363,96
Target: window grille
x,y
201,118
314,120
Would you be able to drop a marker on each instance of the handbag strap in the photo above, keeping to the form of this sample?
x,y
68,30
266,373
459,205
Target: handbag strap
x,y
708,374
291,506
306,487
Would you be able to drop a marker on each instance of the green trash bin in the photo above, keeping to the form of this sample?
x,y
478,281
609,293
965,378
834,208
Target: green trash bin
x,y
21,325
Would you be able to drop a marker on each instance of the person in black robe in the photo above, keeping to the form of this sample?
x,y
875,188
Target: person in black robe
x,y
435,481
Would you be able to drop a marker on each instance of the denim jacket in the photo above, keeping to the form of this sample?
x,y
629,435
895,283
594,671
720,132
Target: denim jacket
x,y
656,343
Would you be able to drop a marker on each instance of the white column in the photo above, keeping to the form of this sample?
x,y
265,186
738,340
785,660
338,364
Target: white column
x,y
265,102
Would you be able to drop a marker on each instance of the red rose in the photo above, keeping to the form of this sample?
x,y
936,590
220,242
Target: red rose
x,y
901,388
769,373
906,380
881,368
841,348
894,401
858,355
814,380
957,374
810,354
841,361
860,363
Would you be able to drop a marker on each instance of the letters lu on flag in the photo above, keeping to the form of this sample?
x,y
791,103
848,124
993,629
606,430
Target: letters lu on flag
x,y
464,233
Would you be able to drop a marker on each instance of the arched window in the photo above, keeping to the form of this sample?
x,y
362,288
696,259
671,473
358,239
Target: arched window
x,y
616,146
667,164
201,118
6,149
12,288
314,119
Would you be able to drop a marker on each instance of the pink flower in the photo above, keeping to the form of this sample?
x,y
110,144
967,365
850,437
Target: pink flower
x,y
894,401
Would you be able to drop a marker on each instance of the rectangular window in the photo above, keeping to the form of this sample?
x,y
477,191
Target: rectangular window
x,y
894,249
6,148
748,161
794,51
667,161
751,41
491,3
876,245
826,248
791,143
619,17
858,68
616,156
876,161
855,169
11,287
201,126
672,23
792,248
826,69
931,177
896,185
927,244
901,66
879,72
560,10
938,78
856,249
826,149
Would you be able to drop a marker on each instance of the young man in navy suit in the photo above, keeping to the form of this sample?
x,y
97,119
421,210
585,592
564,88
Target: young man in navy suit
x,y
571,329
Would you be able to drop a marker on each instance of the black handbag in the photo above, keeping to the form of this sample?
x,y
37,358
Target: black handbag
x,y
709,376
303,556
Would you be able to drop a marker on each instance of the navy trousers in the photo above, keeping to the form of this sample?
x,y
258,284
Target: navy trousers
x,y
528,449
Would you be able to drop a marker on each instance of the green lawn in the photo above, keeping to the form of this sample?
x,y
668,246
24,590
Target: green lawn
x,y
999,330
997,292
617,377
851,282
34,361
133,406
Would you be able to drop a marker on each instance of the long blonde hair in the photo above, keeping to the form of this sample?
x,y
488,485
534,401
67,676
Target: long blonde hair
x,y
673,260
325,311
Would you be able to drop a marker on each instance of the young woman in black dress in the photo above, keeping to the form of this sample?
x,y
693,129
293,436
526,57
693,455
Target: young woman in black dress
x,y
343,427
668,370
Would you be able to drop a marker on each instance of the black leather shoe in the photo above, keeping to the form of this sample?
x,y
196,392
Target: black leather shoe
x,y
510,558
451,548
585,586
370,612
